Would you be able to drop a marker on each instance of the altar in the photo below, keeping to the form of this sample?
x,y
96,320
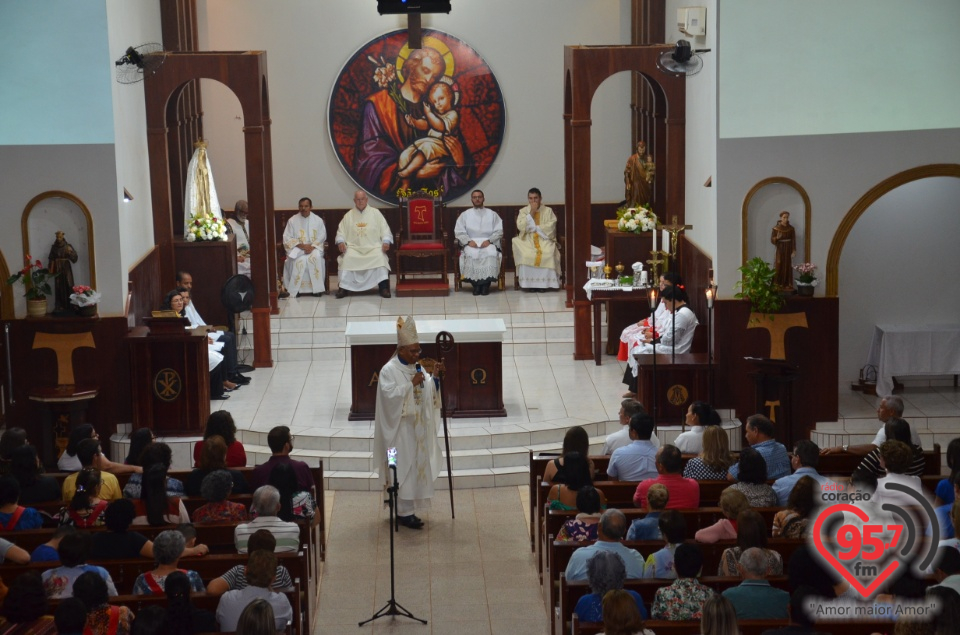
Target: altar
x,y
913,349
473,383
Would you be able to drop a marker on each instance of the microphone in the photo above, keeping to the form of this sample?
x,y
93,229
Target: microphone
x,y
419,368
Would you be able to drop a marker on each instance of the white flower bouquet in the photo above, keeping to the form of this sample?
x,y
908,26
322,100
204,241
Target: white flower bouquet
x,y
636,219
205,227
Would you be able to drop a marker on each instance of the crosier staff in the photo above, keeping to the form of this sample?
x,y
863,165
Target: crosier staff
x,y
445,345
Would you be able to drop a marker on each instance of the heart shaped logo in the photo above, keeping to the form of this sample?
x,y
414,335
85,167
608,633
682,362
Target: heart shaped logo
x,y
852,540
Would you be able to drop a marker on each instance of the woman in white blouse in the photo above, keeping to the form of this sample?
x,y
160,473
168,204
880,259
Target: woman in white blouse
x,y
699,415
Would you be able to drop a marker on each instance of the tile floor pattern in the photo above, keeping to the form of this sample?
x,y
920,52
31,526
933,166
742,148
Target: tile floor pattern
x,y
466,576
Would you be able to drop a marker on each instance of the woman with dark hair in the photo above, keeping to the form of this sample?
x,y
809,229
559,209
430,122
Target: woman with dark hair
x,y
575,440
34,486
102,619
674,333
220,423
751,532
896,429
634,332
69,462
584,526
216,487
752,479
139,439
182,616
564,495
214,457
155,453
219,384
14,516
295,503
25,607
117,542
10,440
155,506
793,521
699,416
87,508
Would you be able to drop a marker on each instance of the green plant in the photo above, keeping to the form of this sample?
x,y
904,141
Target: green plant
x,y
35,278
757,285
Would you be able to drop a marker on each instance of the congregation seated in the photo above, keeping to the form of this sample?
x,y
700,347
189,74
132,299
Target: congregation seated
x,y
610,532
295,502
280,442
563,496
102,618
759,432
168,548
714,461
156,506
181,615
945,491
754,598
793,522
895,459
648,527
155,453
699,416
804,460
620,438
636,461
752,479
264,507
751,532
86,509
261,570
800,622
70,462
47,552
258,618
684,598
117,542
25,608
732,502
139,440
236,578
88,452
720,617
220,423
35,487
621,616
11,552
575,439
13,515
684,492
945,512
660,564
584,526
605,572
70,617
895,430
215,489
74,550
213,457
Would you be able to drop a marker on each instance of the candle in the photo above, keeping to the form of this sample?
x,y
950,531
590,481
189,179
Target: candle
x,y
643,278
654,232
666,241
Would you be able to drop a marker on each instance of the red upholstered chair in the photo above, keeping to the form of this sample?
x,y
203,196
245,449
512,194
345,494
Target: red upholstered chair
x,y
421,234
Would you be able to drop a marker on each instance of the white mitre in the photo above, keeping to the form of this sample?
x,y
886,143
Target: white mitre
x,y
407,332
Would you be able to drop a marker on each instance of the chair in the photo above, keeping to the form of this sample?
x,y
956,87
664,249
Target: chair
x,y
284,216
501,277
422,235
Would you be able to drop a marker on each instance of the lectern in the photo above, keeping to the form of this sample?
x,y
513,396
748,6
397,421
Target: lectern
x,y
773,381
170,377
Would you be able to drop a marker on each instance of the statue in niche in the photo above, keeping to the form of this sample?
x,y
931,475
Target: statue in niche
x,y
62,258
784,238
638,177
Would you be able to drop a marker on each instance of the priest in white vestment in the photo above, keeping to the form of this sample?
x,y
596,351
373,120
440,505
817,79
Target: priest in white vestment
x,y
303,238
407,415
535,252
679,325
240,226
363,238
479,231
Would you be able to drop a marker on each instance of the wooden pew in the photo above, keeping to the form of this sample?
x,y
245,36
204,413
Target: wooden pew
x,y
747,627
844,463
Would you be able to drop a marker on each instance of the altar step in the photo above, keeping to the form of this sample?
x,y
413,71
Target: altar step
x,y
419,288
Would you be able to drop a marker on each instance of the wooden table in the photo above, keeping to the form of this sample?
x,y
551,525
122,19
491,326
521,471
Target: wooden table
x,y
615,294
914,349
473,384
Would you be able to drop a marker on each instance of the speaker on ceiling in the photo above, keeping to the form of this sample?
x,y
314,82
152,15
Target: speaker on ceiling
x,y
390,7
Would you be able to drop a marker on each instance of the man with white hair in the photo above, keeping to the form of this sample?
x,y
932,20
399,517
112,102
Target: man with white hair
x,y
891,407
408,405
754,598
363,238
265,504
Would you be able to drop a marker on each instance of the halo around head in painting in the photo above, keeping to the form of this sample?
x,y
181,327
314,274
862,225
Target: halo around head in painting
x,y
403,120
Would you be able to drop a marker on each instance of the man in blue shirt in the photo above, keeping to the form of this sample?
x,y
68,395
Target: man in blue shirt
x,y
804,460
610,531
638,460
754,598
759,434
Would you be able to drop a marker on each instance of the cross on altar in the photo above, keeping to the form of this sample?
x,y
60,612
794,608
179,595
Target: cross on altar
x,y
674,228
655,266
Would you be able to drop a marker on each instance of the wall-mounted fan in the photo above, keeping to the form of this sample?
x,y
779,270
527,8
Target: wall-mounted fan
x,y
682,59
138,62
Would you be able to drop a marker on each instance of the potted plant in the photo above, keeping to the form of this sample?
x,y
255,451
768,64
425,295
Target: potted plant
x,y
757,285
85,300
36,281
806,278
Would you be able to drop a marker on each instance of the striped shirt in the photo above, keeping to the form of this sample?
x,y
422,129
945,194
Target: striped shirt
x,y
287,534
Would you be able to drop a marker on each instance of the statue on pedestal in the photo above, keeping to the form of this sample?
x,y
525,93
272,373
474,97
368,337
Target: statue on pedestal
x,y
638,177
784,238
62,258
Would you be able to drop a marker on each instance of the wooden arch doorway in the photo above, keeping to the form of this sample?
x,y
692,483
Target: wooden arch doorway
x,y
244,73
585,68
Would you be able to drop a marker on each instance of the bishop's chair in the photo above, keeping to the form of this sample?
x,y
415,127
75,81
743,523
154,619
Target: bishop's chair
x,y
422,236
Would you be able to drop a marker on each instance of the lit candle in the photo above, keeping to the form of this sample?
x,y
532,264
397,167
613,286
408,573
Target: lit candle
x,y
709,297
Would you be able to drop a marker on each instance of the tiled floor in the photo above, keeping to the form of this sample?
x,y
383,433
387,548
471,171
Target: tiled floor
x,y
471,575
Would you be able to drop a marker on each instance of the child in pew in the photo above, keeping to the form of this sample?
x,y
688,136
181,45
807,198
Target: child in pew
x,y
584,526
659,564
13,516
684,599
236,577
47,552
648,527
732,502
73,550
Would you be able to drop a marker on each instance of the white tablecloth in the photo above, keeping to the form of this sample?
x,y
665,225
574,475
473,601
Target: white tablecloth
x,y
913,349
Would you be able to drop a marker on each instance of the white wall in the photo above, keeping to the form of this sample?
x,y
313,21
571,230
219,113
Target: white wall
x,y
308,42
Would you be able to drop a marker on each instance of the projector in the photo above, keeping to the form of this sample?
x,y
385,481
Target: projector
x,y
388,7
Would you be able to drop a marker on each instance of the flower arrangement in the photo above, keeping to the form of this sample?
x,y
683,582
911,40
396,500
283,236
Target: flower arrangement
x,y
205,227
84,296
35,278
806,273
636,219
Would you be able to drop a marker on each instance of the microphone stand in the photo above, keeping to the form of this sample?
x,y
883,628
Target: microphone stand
x,y
392,607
